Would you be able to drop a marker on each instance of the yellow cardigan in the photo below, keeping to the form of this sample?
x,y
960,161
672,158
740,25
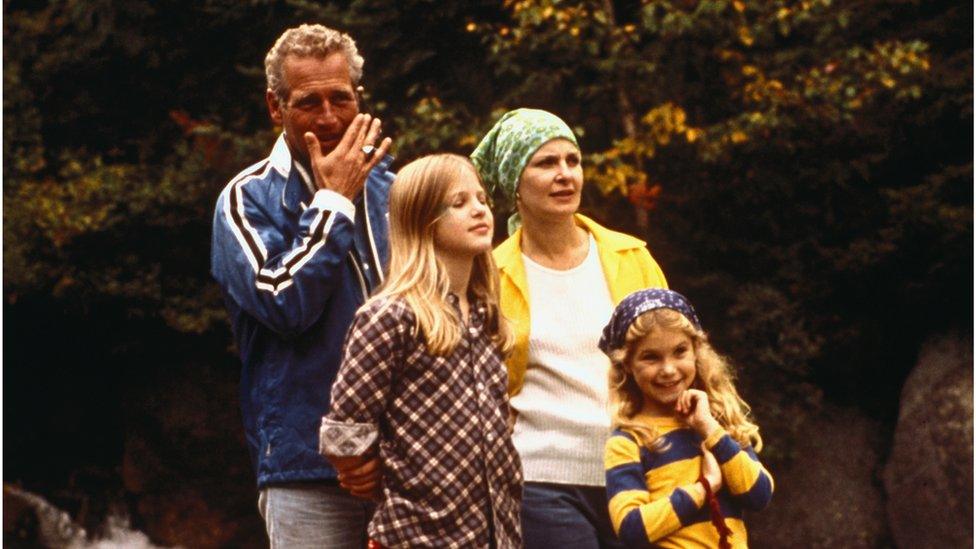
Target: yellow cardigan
x,y
627,265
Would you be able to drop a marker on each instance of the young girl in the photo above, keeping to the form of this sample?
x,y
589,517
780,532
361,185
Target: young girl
x,y
680,464
422,380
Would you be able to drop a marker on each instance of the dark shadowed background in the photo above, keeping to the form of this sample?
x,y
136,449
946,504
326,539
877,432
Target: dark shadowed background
x,y
803,170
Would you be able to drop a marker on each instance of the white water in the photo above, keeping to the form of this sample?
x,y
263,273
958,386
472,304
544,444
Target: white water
x,y
56,529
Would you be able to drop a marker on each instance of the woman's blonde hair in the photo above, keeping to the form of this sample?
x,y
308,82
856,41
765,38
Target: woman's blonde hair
x,y
418,198
712,375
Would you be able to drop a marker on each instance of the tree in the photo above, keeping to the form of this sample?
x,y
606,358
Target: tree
x,y
801,168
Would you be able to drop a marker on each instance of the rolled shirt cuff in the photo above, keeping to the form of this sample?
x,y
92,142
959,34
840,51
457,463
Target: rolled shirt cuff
x,y
324,199
346,439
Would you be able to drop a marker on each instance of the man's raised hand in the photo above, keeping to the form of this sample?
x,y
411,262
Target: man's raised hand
x,y
345,168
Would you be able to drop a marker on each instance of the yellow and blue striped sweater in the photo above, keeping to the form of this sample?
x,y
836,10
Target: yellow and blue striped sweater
x,y
651,495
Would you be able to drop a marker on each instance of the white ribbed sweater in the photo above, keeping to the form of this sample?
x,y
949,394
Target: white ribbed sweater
x,y
563,421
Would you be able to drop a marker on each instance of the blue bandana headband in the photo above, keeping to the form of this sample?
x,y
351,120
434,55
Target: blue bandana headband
x,y
638,303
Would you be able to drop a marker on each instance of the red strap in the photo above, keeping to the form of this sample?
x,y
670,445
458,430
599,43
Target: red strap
x,y
724,532
373,544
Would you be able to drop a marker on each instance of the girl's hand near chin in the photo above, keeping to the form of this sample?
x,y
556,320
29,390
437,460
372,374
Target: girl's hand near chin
x,y
693,409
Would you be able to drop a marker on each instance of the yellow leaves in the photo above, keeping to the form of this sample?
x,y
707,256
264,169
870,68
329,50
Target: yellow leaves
x,y
739,6
729,55
471,27
664,121
611,174
782,13
630,146
614,176
65,210
745,36
856,78
738,137
679,116
545,23
427,105
547,9
901,58
692,134
760,89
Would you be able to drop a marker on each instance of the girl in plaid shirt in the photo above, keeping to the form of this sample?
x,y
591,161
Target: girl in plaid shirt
x,y
422,382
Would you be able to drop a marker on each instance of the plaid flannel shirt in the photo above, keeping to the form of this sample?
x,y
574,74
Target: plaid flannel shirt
x,y
442,428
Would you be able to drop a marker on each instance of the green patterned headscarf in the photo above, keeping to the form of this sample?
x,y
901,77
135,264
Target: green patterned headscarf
x,y
507,147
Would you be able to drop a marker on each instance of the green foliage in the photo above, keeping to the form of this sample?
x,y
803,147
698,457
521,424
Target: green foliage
x,y
801,168
774,143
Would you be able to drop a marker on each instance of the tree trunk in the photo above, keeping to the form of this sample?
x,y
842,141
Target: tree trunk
x,y
629,122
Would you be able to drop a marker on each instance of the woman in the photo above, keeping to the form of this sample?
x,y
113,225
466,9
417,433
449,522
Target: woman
x,y
561,276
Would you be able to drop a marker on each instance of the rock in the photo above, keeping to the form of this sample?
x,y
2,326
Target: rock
x,y
30,521
929,475
827,495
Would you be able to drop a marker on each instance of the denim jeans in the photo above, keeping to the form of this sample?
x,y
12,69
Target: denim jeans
x,y
566,516
314,516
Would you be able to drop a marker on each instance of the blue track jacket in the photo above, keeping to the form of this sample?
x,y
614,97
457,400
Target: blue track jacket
x,y
294,266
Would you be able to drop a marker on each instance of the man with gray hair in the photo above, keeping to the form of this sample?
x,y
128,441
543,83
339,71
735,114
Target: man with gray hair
x,y
299,242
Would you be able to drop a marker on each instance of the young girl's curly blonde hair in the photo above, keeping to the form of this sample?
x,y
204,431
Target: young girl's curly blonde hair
x,y
713,376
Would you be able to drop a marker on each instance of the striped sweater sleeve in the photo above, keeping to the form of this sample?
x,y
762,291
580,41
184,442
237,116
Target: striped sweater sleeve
x,y
282,280
638,519
743,475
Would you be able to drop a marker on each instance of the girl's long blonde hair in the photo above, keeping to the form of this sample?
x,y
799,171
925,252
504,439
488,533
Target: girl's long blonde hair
x,y
712,375
415,275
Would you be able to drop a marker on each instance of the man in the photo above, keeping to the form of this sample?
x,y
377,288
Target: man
x,y
299,241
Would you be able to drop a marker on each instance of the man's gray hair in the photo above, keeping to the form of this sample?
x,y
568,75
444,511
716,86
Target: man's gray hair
x,y
309,41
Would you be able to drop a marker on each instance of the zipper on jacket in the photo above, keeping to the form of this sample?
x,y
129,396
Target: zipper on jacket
x,y
359,274
369,238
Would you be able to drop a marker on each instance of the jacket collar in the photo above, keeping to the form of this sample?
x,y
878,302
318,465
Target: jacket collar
x,y
280,156
609,245
607,239
296,189
509,251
